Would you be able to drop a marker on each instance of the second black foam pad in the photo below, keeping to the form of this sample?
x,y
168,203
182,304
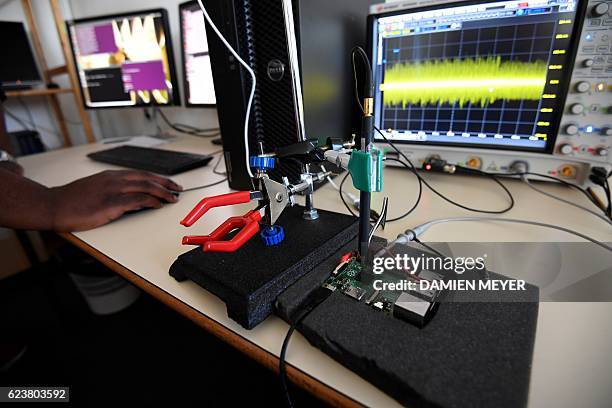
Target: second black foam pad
x,y
250,279
475,354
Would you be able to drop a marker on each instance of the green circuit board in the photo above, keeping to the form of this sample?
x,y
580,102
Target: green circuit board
x,y
346,278
415,306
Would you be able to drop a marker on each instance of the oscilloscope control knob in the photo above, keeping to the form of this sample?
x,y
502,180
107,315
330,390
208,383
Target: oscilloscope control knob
x,y
600,9
587,63
576,108
601,151
607,131
583,86
566,148
571,129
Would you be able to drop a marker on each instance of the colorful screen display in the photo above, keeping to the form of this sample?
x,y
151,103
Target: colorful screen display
x,y
124,60
489,73
199,87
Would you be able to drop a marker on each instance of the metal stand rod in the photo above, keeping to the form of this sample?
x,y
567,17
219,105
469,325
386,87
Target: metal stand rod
x,y
365,197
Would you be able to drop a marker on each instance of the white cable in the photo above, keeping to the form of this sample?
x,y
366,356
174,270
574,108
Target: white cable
x,y
409,235
253,85
347,194
565,201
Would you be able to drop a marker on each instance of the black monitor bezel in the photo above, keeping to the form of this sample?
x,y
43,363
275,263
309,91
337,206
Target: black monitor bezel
x,y
566,77
176,101
29,81
188,104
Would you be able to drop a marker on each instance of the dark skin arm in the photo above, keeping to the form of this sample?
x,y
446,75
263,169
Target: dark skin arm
x,y
84,204
81,205
12,167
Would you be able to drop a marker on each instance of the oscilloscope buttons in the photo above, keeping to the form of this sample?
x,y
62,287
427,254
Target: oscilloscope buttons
x,y
571,129
566,149
576,108
583,86
599,9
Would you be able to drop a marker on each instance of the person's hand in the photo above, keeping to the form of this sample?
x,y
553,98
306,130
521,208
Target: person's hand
x,y
12,167
99,199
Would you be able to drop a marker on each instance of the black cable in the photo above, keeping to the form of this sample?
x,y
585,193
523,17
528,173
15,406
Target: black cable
x,y
607,192
368,70
220,153
16,118
282,362
205,186
216,167
311,302
424,245
419,196
546,176
439,194
187,129
342,195
25,107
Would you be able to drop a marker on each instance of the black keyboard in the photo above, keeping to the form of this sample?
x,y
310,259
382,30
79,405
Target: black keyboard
x,y
154,160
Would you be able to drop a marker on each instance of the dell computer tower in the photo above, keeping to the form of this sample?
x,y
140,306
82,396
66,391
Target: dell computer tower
x,y
300,53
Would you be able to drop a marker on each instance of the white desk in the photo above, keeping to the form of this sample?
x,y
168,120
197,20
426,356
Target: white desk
x,y
573,351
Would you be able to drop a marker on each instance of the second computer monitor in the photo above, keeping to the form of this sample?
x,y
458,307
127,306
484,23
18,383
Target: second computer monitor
x,y
125,60
198,79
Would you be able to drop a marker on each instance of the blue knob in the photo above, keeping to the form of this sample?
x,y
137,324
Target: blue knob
x,y
261,162
273,235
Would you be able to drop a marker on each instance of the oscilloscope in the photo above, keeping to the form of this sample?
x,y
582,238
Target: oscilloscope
x,y
487,83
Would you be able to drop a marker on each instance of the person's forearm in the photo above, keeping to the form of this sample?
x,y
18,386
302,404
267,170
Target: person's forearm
x,y
24,204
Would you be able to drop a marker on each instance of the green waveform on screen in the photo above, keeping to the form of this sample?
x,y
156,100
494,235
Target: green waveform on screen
x,y
476,81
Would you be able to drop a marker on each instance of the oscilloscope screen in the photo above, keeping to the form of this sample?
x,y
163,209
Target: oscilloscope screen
x,y
484,74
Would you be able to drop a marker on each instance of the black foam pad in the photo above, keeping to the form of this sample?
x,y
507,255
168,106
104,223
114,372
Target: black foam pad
x,y
250,279
475,354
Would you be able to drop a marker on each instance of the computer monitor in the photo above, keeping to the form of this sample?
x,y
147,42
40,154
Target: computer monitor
x,y
487,83
479,74
18,70
198,84
125,60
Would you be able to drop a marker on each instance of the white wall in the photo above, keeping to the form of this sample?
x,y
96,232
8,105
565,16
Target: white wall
x,y
106,123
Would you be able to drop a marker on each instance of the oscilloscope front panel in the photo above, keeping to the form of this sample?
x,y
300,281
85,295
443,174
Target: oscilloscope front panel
x,y
485,84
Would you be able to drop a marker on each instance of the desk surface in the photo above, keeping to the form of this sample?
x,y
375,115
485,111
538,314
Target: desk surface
x,y
563,374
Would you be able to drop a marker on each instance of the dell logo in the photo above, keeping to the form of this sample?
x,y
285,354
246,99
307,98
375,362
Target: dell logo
x,y
276,70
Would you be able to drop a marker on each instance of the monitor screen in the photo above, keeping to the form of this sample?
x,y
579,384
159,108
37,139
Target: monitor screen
x,y
125,60
18,67
485,74
197,71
